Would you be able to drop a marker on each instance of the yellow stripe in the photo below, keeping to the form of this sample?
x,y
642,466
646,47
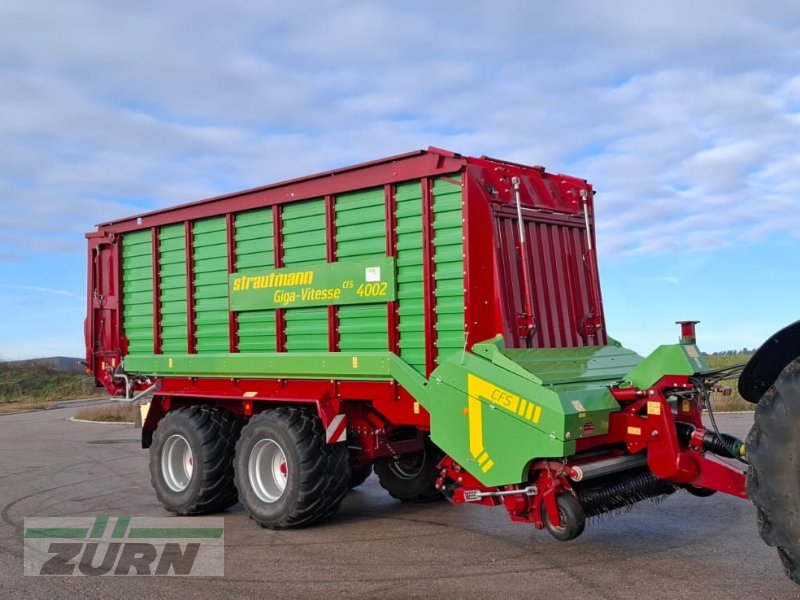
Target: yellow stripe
x,y
537,413
487,466
475,427
482,458
528,414
522,406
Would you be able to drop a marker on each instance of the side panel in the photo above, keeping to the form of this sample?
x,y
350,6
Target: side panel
x,y
409,275
254,239
303,229
449,270
210,285
137,289
361,233
350,226
172,273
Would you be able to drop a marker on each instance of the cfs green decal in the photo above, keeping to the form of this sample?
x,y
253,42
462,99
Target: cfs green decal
x,y
480,391
345,282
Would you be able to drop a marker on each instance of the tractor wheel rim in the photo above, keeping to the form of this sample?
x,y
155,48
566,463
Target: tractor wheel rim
x,y
268,470
177,463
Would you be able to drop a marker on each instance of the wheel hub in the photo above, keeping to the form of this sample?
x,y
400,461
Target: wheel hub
x,y
177,463
268,470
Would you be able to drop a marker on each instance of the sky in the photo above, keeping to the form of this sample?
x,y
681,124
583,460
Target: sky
x,y
684,115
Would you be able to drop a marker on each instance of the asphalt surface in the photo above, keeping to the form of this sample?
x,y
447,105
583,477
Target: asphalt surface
x,y
684,547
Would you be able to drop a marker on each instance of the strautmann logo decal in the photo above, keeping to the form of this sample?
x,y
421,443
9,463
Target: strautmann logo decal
x,y
260,282
102,546
342,282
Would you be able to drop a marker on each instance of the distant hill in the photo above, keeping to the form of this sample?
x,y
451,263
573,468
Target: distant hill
x,y
27,384
65,364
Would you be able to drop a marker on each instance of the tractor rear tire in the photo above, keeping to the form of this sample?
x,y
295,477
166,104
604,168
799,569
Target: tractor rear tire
x,y
572,519
287,475
191,460
412,478
773,478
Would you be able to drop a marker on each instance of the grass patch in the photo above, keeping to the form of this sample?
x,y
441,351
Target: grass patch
x,y
734,402
109,413
30,386
23,406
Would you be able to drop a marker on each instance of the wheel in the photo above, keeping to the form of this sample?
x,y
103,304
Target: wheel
x,y
286,474
191,460
700,492
412,478
773,478
358,475
572,519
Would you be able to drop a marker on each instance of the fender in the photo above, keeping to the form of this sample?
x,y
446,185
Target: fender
x,y
328,408
769,361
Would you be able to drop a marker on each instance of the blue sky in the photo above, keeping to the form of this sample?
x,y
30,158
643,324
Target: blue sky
x,y
684,115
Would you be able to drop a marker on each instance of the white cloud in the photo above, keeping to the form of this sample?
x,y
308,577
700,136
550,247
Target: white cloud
x,y
683,114
45,290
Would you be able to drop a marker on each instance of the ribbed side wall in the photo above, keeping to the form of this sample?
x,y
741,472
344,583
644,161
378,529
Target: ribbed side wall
x,y
210,256
360,234
449,267
304,243
411,305
255,249
137,290
172,282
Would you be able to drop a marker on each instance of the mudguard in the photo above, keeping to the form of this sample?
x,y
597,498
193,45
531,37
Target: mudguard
x,y
769,360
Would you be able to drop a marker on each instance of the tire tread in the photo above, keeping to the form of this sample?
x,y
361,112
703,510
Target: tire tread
x,y
773,451
420,490
217,429
324,469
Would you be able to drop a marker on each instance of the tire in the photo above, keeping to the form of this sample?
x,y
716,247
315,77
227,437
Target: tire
x,y
412,478
773,478
191,460
358,475
572,519
286,474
